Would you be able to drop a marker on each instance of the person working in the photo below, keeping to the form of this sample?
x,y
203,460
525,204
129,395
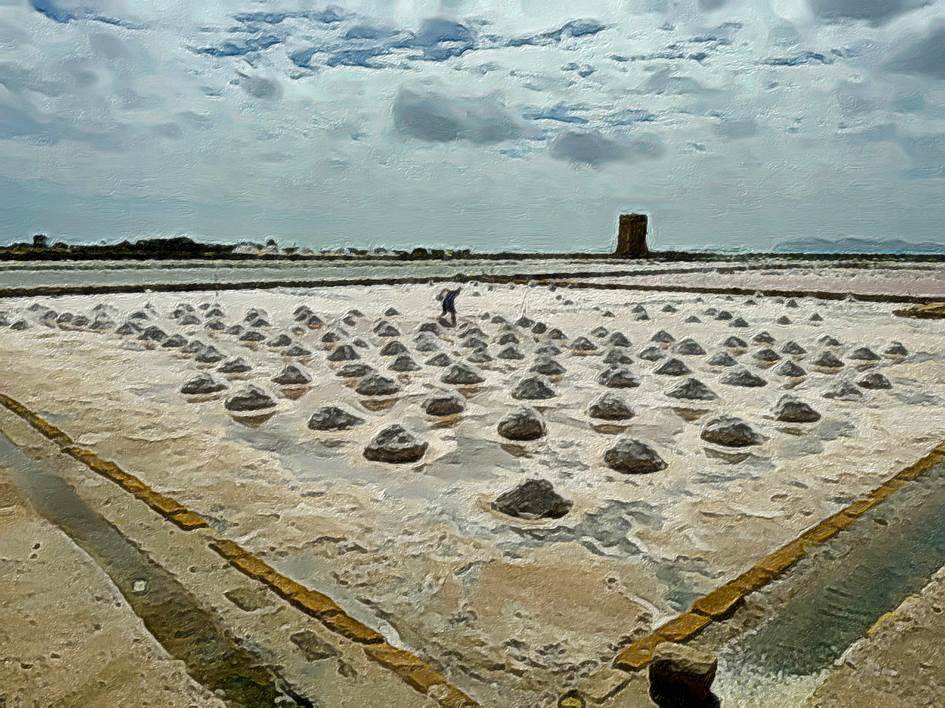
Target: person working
x,y
448,299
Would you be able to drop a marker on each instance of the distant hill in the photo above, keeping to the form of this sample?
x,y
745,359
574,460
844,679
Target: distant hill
x,y
858,245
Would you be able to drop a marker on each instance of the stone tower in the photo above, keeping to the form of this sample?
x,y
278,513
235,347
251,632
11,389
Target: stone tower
x,y
631,236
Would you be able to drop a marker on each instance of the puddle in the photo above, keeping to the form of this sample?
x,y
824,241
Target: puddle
x,y
186,631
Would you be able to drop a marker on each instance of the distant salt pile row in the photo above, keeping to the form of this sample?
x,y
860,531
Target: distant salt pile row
x,y
461,361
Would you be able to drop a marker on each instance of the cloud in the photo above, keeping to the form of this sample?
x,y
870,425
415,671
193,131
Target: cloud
x,y
922,55
435,117
241,47
260,87
64,14
875,12
800,59
559,113
737,129
571,29
594,149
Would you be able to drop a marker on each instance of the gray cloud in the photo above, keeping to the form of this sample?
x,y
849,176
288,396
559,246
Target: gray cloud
x,y
923,55
435,117
737,129
259,86
873,11
594,149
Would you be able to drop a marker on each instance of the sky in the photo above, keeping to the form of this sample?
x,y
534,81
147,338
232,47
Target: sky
x,y
503,125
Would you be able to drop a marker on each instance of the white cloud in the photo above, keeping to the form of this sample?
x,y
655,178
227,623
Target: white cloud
x,y
426,121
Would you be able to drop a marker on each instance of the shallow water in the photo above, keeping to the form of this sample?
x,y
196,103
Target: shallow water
x,y
135,273
186,631
839,593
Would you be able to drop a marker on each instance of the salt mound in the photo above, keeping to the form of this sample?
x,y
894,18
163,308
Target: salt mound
x,y
827,360
153,334
510,352
480,356
610,407
404,363
791,409
354,371
618,377
393,348
252,335
618,339
689,347
631,456
377,385
874,381
763,338
201,385
652,354
617,356
292,375
386,330
462,375
395,445
843,391
734,342
547,367
742,377
533,388
583,344
863,354
663,337
237,365
296,351
693,390
440,359
672,367
210,355
790,369
766,355
249,399
532,499
442,403
722,359
793,348
729,432
280,340
174,342
896,349
522,424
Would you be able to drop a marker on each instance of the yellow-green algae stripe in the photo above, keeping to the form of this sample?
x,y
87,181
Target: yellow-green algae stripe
x,y
409,667
724,600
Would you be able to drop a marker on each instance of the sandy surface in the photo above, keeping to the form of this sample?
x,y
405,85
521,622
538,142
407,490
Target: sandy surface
x,y
67,636
901,663
922,281
512,610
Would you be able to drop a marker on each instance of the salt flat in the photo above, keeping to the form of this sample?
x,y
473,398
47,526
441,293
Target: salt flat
x,y
511,608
